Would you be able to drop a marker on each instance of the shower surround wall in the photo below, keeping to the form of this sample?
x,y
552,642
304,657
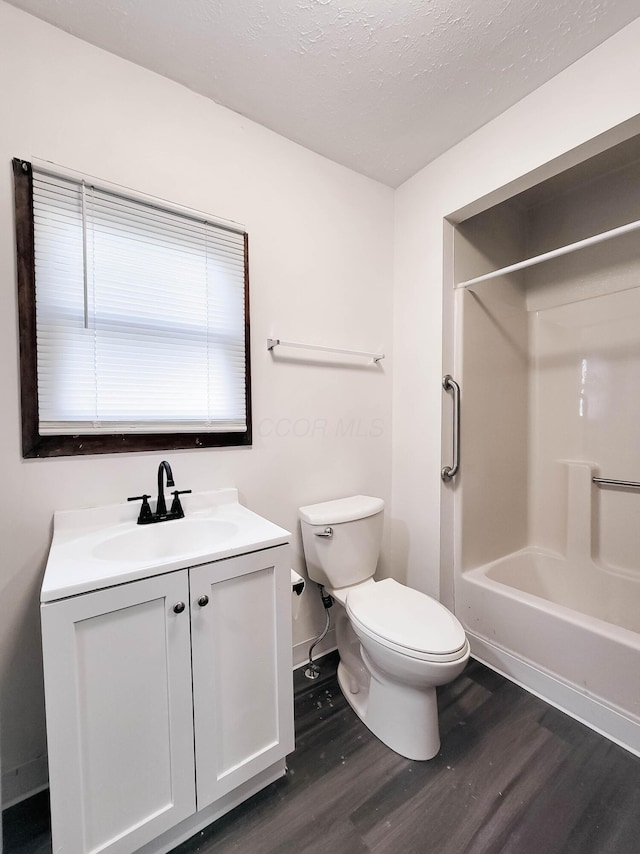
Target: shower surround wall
x,y
495,364
586,407
584,314
548,576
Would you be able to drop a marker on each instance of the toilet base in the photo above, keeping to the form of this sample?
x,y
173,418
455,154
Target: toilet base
x,y
357,700
400,709
402,717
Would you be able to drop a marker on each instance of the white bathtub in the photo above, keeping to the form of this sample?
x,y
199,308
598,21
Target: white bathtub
x,y
567,630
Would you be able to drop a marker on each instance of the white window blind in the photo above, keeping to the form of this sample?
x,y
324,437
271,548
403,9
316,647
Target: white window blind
x,y
140,315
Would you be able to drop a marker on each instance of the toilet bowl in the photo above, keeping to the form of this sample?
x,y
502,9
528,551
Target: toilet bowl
x,y
396,644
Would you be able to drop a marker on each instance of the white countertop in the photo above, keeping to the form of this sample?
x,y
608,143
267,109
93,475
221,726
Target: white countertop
x,y
103,546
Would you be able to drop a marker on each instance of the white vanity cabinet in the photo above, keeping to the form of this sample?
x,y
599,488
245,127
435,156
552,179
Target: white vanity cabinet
x,y
242,669
165,698
119,714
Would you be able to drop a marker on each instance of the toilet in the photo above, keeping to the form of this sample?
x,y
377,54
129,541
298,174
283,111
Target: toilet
x,y
396,644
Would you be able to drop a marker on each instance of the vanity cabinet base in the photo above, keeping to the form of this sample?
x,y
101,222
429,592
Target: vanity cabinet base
x,y
169,701
195,823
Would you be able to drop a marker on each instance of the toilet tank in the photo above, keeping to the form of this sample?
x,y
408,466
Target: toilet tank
x,y
350,553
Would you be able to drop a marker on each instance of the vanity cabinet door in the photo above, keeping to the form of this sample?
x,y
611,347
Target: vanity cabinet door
x,y
119,714
242,668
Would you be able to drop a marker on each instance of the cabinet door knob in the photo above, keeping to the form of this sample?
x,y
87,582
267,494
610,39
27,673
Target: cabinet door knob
x,y
203,600
178,608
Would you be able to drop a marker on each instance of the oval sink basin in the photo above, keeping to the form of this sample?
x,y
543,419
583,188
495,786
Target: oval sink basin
x,y
164,540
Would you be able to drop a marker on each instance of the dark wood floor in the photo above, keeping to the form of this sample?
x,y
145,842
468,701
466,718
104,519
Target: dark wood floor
x,y
514,775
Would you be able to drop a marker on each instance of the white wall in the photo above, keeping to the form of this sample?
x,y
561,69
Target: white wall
x,y
320,270
596,94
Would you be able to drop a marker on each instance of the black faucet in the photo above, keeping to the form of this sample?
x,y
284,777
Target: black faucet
x,y
161,507
146,517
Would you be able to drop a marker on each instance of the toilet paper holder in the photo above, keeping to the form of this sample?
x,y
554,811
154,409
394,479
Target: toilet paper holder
x,y
297,583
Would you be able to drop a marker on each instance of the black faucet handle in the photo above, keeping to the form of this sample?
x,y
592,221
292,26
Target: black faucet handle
x,y
145,510
176,506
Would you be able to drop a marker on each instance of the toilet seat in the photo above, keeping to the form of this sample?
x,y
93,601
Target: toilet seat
x,y
407,621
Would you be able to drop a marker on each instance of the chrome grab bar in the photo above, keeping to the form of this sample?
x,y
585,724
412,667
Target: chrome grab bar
x,y
327,533
449,384
627,484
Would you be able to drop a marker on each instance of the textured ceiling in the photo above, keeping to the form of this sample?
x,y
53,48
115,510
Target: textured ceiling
x,y
381,86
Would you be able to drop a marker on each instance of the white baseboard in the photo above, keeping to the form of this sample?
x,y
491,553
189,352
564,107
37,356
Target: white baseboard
x,y
301,650
588,710
24,781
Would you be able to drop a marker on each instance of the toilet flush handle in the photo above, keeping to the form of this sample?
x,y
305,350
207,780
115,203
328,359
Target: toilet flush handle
x,y
327,533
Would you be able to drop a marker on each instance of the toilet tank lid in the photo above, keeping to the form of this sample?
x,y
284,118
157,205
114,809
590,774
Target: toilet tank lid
x,y
341,510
